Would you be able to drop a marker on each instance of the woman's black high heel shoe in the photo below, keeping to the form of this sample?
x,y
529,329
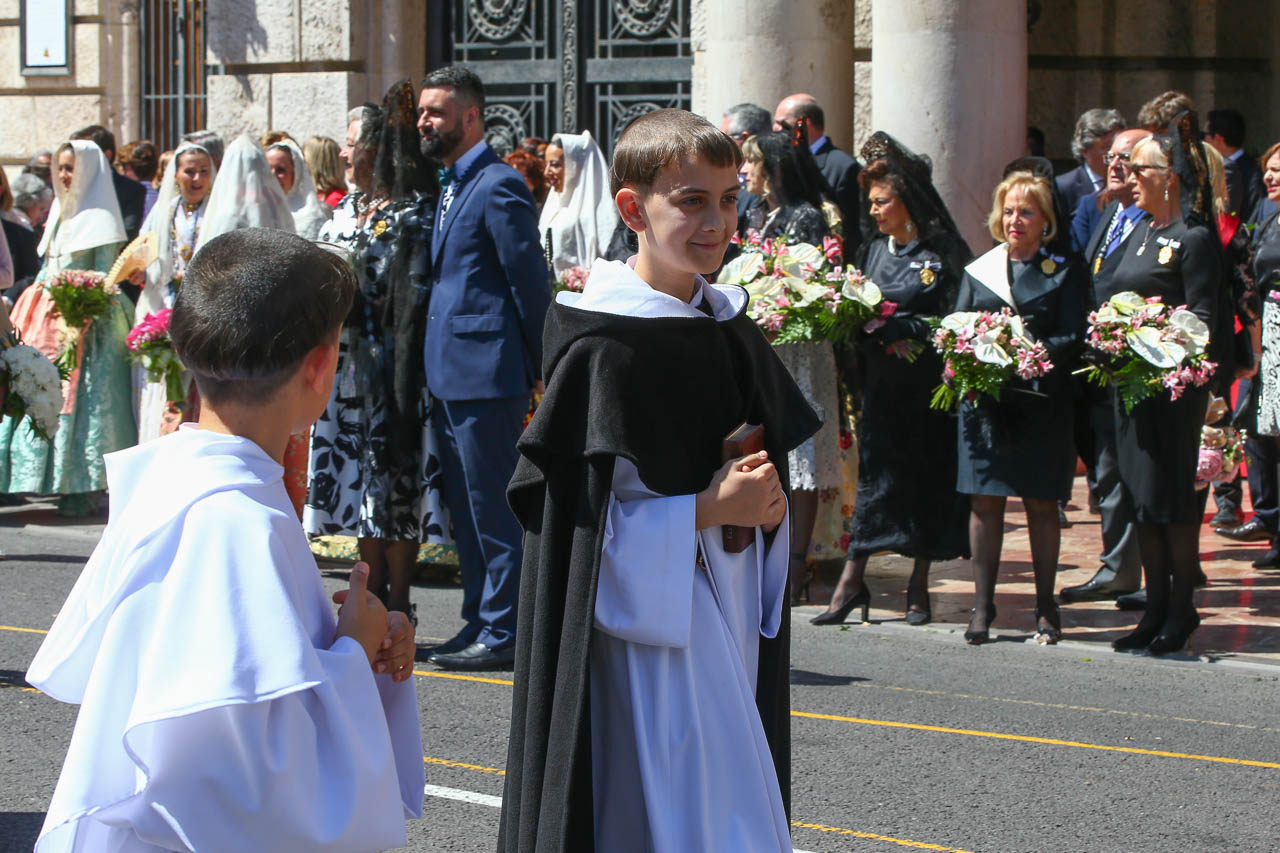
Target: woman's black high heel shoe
x,y
919,615
1051,635
835,617
1139,638
1173,641
977,638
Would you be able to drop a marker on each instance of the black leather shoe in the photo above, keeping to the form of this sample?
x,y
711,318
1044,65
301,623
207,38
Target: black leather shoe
x,y
1269,560
1063,521
1251,531
1133,601
1227,518
1094,589
459,642
477,656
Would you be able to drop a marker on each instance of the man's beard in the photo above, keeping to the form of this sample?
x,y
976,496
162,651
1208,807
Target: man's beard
x,y
442,143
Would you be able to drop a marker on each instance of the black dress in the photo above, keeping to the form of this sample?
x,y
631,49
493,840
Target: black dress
x,y
1020,445
1158,443
907,501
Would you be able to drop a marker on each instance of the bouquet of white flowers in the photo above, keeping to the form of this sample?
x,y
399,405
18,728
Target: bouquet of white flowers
x,y
32,385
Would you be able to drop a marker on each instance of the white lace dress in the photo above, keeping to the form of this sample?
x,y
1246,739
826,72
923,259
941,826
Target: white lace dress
x,y
816,464
1268,378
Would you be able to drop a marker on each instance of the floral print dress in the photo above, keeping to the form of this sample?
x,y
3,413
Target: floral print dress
x,y
359,483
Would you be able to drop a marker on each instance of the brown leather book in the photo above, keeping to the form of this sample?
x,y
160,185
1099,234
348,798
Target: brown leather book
x,y
744,440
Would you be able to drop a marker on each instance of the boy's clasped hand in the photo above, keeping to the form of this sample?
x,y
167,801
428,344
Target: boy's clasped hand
x,y
745,492
386,637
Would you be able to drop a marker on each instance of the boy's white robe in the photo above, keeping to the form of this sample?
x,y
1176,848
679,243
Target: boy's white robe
x,y
217,712
680,761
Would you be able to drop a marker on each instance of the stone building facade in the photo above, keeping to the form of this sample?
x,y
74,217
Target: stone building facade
x,y
959,79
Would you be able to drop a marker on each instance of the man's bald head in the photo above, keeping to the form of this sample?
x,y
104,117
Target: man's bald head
x,y
793,108
1118,163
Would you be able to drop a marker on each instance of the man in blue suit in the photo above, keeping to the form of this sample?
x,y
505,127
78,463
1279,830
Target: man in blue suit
x,y
483,355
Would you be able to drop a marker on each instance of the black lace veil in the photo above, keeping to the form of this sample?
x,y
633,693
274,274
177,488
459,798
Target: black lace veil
x,y
913,174
1181,141
399,168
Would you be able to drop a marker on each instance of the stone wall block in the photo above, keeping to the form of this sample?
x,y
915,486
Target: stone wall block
x,y
239,103
312,104
18,136
54,119
862,24
862,127
326,30
252,31
86,56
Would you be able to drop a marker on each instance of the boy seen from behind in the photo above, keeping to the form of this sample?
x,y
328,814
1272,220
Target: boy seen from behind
x,y
650,708
223,706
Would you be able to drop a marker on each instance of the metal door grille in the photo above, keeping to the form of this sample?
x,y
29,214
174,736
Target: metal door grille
x,y
172,67
571,65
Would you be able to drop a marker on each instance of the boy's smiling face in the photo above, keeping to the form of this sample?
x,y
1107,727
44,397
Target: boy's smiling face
x,y
686,218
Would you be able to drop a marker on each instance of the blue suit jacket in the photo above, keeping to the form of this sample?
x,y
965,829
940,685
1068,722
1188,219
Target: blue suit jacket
x,y
1084,221
491,290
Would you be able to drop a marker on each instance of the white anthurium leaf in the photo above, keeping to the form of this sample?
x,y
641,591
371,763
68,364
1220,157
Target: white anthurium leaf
x,y
1107,315
806,253
1127,303
987,349
864,291
1191,326
788,265
1146,342
743,269
810,292
1017,328
764,287
959,321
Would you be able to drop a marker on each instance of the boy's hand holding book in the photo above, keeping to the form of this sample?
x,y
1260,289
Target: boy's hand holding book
x,y
398,648
361,616
745,492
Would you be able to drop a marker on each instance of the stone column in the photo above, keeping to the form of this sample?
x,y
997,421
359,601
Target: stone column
x,y
950,80
760,52
121,84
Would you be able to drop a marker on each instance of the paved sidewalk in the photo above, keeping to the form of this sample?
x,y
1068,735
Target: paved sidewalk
x,y
1240,609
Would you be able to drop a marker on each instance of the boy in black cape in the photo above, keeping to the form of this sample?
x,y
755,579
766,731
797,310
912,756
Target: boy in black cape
x,y
651,707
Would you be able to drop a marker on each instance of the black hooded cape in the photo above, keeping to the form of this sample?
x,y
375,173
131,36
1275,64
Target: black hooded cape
x,y
662,393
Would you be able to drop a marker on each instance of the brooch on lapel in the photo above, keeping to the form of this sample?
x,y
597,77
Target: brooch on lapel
x,y
379,227
1166,249
1097,264
1050,263
928,274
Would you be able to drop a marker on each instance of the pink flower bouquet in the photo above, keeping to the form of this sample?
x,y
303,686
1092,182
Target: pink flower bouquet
x,y
79,297
573,279
1221,452
150,346
981,352
1148,347
793,289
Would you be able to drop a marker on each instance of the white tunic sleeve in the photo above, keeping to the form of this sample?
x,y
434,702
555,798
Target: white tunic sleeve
x,y
645,591
292,772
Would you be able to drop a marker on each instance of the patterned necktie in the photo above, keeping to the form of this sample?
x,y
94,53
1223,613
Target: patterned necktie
x,y
448,180
1123,218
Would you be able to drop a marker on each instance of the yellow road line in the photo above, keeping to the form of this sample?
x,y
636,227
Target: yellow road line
x,y
444,762
1040,740
1270,765
871,836
458,677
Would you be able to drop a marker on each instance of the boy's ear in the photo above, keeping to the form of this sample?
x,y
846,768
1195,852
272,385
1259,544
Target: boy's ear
x,y
317,365
629,208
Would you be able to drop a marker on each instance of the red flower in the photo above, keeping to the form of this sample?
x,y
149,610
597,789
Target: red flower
x,y
844,542
846,440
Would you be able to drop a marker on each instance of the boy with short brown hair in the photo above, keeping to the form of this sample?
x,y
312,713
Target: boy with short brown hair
x,y
651,708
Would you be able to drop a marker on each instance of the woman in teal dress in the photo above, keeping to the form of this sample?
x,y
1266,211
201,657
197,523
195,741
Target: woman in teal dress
x,y
84,232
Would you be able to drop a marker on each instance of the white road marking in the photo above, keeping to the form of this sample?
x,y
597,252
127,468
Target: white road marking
x,y
482,799
463,796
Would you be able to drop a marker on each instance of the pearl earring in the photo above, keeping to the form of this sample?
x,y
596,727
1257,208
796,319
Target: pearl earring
x,y
1166,192
1045,231
911,226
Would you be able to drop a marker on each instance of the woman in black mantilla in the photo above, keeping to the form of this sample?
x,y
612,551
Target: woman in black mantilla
x,y
1021,445
374,474
1174,256
779,167
906,501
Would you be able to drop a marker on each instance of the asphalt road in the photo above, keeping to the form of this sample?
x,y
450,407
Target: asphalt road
x,y
903,738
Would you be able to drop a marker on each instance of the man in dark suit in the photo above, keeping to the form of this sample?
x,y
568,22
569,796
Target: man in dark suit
x,y
483,355
1225,132
838,167
1121,569
129,193
1095,130
741,122
23,249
